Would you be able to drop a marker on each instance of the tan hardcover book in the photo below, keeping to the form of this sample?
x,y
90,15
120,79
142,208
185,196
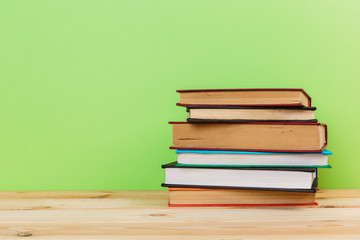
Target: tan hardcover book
x,y
211,114
245,97
255,136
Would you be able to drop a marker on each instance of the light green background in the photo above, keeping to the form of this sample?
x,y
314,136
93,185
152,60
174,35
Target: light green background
x,y
87,87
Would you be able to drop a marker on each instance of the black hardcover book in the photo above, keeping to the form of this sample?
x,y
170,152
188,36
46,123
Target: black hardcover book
x,y
249,107
247,178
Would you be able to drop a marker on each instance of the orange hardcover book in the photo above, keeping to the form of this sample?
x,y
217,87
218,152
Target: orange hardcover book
x,y
252,136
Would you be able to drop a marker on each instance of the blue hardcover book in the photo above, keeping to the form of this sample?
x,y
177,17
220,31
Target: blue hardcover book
x,y
252,159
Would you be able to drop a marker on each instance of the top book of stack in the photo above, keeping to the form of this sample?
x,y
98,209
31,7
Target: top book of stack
x,y
281,97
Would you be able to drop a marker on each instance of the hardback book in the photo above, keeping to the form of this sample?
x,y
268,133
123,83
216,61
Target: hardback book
x,y
201,197
215,114
252,159
254,136
251,178
245,97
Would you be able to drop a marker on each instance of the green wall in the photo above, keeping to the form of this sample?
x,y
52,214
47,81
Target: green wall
x,y
87,86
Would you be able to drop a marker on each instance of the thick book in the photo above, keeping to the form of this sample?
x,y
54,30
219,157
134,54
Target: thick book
x,y
245,97
213,114
251,178
252,159
255,136
201,197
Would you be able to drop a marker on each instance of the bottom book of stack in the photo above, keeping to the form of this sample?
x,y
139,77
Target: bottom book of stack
x,y
182,197
240,186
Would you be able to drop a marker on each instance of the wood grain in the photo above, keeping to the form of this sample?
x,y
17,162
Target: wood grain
x,y
145,215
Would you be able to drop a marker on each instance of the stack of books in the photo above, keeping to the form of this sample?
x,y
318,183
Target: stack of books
x,y
246,147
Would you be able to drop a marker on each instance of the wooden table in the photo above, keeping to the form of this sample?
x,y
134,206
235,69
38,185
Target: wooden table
x,y
145,215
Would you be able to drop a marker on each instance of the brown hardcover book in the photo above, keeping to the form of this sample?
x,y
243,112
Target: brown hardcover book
x,y
255,136
245,97
224,197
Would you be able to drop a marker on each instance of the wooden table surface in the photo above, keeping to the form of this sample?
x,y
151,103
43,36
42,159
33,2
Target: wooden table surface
x,y
145,215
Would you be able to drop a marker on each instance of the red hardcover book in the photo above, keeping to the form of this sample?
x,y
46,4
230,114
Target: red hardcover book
x,y
244,205
199,197
251,136
290,97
